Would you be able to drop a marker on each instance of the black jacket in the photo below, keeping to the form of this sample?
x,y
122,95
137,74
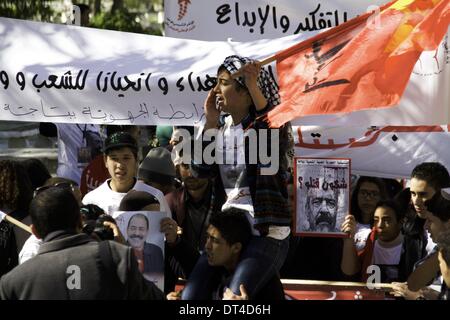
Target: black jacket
x,y
75,267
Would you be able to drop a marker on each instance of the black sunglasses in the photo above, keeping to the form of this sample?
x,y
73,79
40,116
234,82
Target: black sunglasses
x,y
64,185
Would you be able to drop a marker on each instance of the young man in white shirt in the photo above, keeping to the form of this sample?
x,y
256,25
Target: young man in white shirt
x,y
120,156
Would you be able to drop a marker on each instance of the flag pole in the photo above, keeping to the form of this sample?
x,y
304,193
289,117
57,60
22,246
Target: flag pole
x,y
260,63
326,35
18,223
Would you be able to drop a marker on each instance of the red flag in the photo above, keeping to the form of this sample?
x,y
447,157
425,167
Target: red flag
x,y
357,65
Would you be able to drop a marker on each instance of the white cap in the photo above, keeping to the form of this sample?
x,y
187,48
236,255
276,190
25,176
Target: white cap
x,y
445,192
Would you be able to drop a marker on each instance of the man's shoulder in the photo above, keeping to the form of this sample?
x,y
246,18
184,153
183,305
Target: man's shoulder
x,y
148,246
94,194
26,272
175,195
23,270
118,250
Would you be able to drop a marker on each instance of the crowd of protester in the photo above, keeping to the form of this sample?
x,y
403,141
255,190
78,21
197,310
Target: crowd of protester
x,y
227,228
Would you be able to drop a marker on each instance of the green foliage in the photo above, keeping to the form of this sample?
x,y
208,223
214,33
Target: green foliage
x,y
120,20
27,10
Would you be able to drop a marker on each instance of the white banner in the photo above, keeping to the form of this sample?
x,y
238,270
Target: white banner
x,y
426,99
60,73
389,151
257,19
386,151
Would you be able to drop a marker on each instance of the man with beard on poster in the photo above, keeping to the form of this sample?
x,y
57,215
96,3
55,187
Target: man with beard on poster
x,y
321,209
149,256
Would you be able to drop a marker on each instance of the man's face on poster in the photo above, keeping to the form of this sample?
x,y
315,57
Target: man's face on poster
x,y
137,231
321,210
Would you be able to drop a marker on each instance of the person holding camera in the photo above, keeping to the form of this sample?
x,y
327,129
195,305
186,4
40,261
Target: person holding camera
x,y
70,265
99,225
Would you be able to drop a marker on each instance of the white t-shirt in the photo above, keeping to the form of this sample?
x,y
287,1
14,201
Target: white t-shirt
x,y
230,154
109,200
70,140
387,256
30,248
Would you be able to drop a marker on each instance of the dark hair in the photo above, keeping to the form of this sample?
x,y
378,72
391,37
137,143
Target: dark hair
x,y
37,172
54,209
55,180
356,210
434,173
399,213
137,200
232,225
393,187
139,215
439,207
443,242
403,198
15,186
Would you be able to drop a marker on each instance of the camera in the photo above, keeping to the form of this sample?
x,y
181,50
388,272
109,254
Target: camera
x,y
103,232
93,218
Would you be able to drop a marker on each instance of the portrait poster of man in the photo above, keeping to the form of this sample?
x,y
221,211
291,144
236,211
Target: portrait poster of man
x,y
141,230
322,196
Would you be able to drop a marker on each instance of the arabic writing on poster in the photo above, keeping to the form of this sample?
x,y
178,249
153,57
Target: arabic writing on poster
x,y
322,195
84,75
369,137
105,82
261,17
315,183
109,81
96,114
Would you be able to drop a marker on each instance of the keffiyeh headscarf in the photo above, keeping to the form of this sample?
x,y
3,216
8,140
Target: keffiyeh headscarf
x,y
266,83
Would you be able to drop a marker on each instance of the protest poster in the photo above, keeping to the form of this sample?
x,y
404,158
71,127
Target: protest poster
x,y
141,230
322,196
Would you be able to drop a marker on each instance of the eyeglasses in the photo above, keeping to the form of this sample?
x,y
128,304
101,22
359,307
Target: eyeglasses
x,y
367,194
64,185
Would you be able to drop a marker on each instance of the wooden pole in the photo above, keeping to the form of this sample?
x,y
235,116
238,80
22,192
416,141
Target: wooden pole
x,y
334,283
17,223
